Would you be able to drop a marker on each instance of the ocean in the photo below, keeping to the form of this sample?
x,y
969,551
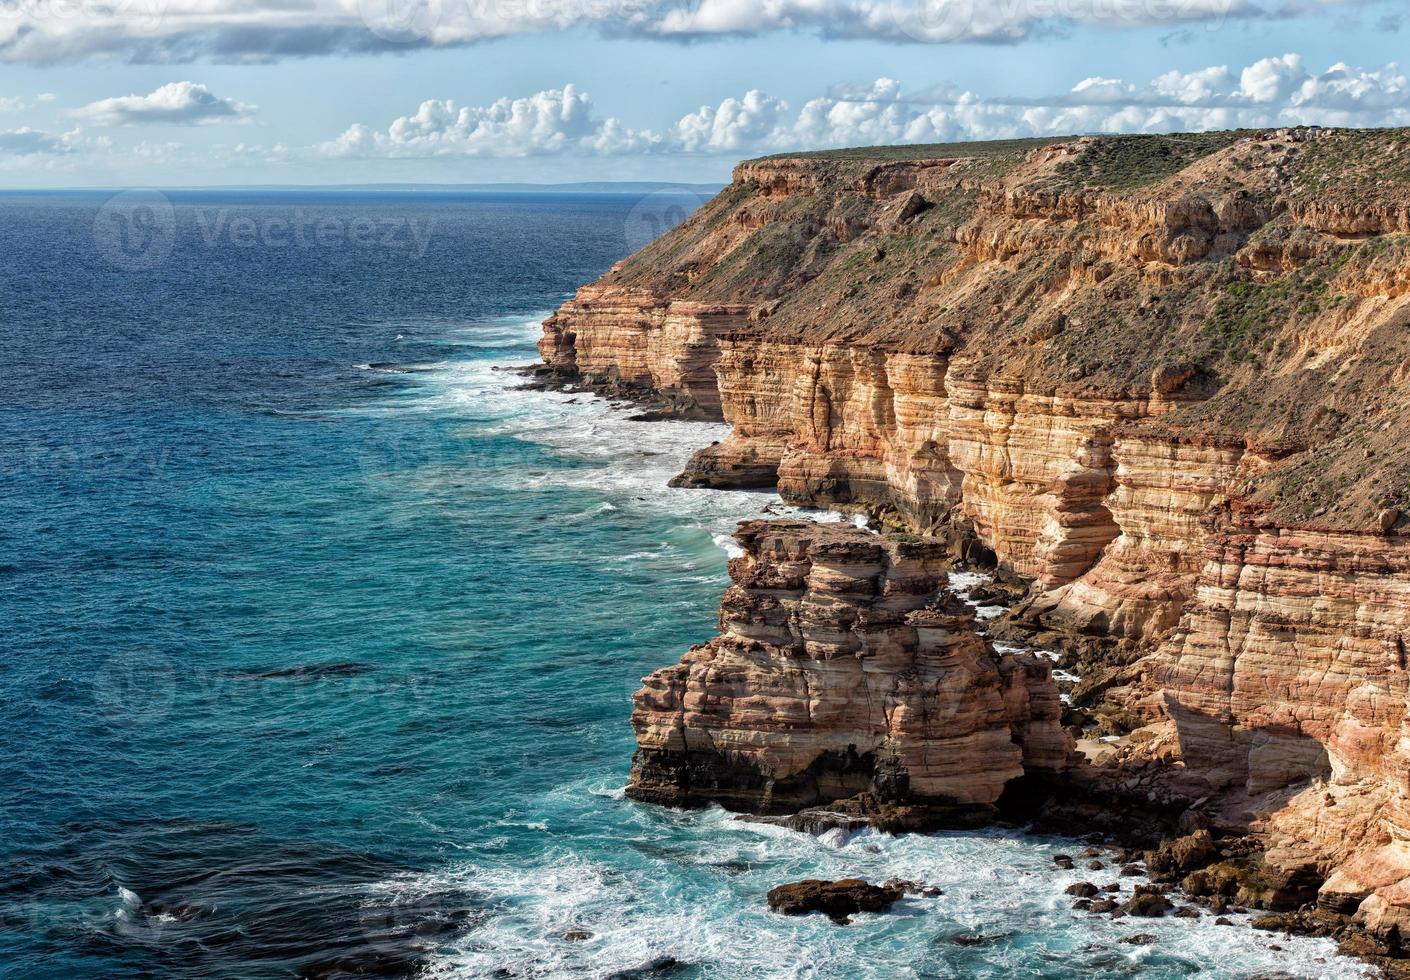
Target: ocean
x,y
319,635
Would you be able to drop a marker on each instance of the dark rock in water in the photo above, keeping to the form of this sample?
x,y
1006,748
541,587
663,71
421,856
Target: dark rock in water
x,y
1063,861
1095,865
314,671
1249,882
577,935
838,900
987,595
1221,921
1148,902
1132,871
1082,905
1139,939
1188,912
1083,889
909,887
865,810
1104,905
816,821
1183,855
1306,922
662,966
975,939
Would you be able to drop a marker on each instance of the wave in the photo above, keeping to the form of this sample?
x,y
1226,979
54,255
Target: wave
x,y
690,890
592,885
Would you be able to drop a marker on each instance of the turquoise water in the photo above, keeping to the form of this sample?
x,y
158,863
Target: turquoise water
x,y
321,638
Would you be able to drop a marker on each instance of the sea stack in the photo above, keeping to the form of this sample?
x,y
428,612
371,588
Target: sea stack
x,y
844,667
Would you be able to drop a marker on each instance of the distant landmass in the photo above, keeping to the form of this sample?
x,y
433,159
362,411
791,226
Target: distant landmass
x,y
634,187
581,187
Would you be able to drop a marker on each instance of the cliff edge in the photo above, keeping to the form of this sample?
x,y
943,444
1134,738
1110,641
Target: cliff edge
x,y
1162,381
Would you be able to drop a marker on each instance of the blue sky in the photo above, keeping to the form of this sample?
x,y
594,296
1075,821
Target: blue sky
x,y
192,92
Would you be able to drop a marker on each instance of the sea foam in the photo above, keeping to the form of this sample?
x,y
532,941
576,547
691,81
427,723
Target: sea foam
x,y
651,889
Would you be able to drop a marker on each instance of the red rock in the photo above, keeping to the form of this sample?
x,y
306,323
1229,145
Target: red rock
x,y
843,666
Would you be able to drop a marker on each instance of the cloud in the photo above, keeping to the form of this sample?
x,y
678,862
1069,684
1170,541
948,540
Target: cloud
x,y
555,121
175,31
732,125
28,142
176,103
1276,91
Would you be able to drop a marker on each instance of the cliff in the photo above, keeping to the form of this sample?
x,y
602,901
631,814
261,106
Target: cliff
x,y
844,667
1162,381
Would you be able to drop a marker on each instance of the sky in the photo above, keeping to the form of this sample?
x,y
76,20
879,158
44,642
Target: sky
x,y
171,93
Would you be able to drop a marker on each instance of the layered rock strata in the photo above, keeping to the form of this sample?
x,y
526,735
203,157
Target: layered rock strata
x,y
1164,381
843,667
643,342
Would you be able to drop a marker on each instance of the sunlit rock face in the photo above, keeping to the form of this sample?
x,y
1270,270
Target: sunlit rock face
x,y
1165,382
843,666
636,339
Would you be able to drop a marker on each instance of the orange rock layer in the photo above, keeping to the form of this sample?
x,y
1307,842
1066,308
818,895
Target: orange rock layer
x,y
1166,382
843,666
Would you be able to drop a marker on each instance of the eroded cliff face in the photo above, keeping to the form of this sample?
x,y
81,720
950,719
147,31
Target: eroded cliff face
x,y
1165,381
843,667
643,343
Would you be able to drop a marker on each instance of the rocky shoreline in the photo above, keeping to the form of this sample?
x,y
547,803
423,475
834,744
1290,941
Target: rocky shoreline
x,y
1148,818
1154,832
1157,389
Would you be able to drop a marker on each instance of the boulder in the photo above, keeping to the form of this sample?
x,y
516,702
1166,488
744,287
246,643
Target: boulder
x,y
838,900
1148,903
1181,856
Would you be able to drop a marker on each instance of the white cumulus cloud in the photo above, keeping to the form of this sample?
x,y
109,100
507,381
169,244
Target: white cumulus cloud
x,y
733,124
176,103
1274,91
554,121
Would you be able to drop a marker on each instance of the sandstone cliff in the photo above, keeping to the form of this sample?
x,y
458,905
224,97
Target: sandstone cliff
x,y
843,667
1165,381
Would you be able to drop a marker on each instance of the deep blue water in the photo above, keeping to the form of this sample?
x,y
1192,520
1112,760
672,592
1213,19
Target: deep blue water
x,y
317,638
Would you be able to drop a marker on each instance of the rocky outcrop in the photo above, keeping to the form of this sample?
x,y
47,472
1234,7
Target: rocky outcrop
x,y
1163,382
843,667
838,900
640,342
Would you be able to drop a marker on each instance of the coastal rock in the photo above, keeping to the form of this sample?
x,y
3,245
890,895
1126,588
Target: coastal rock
x,y
838,900
1182,855
639,343
844,667
1167,399
1148,903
